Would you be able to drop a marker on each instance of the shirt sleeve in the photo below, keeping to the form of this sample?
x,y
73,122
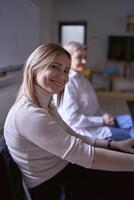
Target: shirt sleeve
x,y
42,130
70,109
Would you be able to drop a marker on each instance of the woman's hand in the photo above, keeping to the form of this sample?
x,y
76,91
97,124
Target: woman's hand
x,y
125,145
108,119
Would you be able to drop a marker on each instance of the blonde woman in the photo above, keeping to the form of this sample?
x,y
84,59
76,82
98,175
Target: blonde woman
x,y
48,152
79,107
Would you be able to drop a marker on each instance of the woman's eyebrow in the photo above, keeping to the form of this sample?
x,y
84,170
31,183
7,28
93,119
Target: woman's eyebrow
x,y
61,65
57,64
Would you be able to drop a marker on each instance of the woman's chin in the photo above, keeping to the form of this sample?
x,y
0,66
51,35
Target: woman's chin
x,y
57,91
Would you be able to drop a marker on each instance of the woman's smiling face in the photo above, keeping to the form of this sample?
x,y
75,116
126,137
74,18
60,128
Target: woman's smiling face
x,y
78,59
54,77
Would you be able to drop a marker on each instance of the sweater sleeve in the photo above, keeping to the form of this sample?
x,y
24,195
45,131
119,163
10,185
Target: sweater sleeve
x,y
42,130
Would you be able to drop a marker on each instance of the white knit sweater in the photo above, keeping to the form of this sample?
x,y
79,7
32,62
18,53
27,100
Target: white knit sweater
x,y
40,142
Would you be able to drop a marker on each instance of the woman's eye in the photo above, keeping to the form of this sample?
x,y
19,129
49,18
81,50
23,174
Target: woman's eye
x,y
66,71
60,69
56,67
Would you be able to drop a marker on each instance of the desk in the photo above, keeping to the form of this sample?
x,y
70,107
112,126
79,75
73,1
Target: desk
x,y
114,102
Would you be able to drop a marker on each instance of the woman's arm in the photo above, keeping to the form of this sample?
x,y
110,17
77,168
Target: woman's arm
x,y
124,146
112,160
106,159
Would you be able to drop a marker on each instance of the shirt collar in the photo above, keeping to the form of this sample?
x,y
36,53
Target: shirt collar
x,y
74,73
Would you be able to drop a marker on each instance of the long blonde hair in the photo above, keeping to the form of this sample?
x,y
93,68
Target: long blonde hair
x,y
41,58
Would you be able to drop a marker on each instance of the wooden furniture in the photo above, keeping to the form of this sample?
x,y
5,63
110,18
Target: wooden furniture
x,y
114,102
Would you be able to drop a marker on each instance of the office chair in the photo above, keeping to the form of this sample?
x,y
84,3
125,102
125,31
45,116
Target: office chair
x,y
12,186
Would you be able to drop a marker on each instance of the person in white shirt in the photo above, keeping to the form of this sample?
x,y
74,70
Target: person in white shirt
x,y
79,107
47,151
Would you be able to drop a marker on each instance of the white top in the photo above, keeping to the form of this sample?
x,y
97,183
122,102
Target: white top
x,y
79,107
40,142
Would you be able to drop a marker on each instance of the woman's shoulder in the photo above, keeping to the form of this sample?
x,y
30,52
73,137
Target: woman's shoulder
x,y
73,74
78,80
24,109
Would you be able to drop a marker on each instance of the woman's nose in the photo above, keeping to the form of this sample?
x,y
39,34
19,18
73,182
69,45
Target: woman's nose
x,y
84,61
63,76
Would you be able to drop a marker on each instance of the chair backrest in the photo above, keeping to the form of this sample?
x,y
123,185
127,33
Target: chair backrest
x,y
11,183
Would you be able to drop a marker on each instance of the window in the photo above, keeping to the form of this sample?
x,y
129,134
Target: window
x,y
72,31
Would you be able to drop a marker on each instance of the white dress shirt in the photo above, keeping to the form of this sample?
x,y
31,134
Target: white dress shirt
x,y
79,107
40,142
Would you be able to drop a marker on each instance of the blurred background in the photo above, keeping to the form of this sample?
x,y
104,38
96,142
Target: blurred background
x,y
106,27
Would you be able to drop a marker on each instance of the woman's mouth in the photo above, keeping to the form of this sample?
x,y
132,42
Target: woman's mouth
x,y
58,83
